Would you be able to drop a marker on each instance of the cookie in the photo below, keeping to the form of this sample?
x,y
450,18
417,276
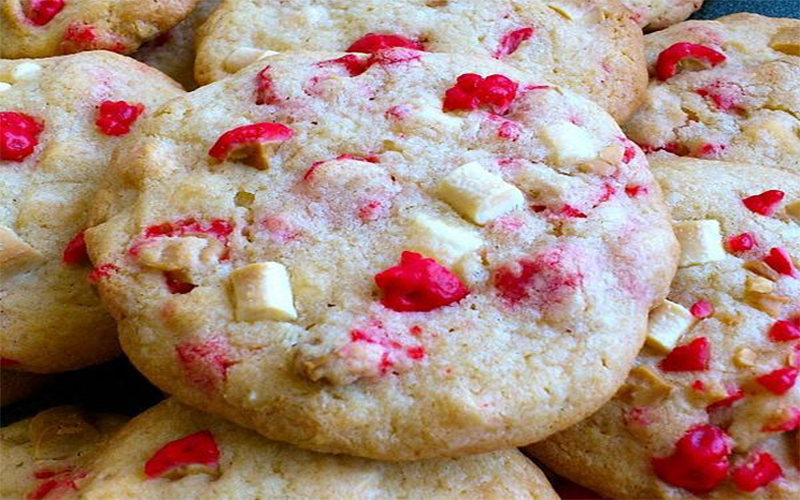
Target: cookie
x,y
658,14
15,386
44,28
711,409
388,256
724,89
61,118
593,48
173,52
173,451
46,456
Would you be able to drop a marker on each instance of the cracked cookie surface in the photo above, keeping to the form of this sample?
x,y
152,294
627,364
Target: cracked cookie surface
x,y
390,256
173,451
724,89
44,28
593,48
722,358
47,456
61,118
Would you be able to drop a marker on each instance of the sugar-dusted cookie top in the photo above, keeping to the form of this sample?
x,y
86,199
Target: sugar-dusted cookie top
x,y
173,451
44,28
46,456
724,89
593,48
712,408
396,256
60,118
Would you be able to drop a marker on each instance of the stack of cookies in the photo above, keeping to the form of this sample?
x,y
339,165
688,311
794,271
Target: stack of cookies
x,y
381,245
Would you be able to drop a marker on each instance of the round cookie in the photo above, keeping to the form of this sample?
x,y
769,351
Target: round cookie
x,y
46,456
56,117
391,256
658,14
591,47
44,28
724,89
173,52
15,386
711,408
145,460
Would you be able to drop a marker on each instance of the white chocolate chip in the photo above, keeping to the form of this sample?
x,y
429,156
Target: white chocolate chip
x,y
759,284
787,40
668,323
700,240
793,210
433,114
263,292
184,253
570,143
15,255
745,357
426,120
244,56
776,131
471,269
444,242
4,86
25,71
479,195
645,387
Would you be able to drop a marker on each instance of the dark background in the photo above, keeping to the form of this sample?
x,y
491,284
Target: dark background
x,y
713,9
118,387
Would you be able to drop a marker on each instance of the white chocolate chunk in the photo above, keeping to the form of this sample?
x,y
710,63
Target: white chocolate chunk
x,y
4,86
430,120
793,210
444,242
25,71
700,240
479,195
184,253
570,143
775,132
759,284
244,56
15,255
668,323
423,118
263,292
786,40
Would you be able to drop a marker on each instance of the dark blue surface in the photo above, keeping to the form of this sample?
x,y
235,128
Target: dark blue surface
x,y
713,9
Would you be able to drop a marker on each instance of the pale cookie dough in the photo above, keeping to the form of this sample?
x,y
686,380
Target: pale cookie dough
x,y
45,457
173,51
725,89
658,14
43,28
146,461
53,153
591,47
745,304
251,253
